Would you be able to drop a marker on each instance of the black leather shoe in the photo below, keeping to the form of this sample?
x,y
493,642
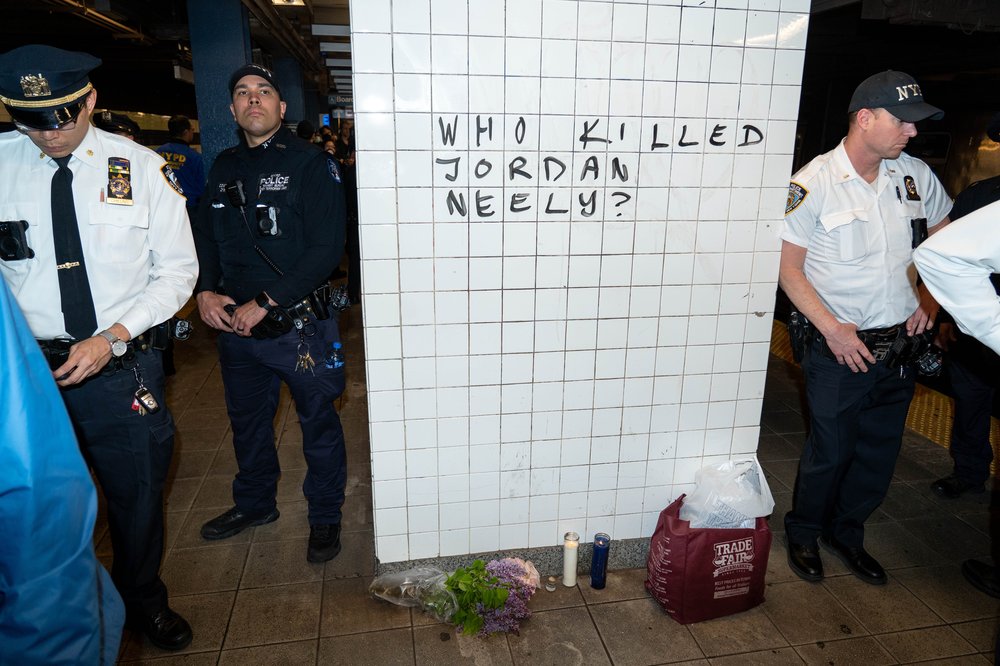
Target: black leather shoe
x,y
804,561
166,630
861,564
952,487
982,576
233,522
324,543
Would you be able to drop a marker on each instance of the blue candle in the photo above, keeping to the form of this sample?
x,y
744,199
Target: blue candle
x,y
599,563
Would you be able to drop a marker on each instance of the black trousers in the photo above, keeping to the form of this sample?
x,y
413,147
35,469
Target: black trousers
x,y
856,427
972,369
252,372
130,454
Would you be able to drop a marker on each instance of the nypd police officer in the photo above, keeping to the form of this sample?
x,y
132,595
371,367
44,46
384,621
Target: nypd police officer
x,y
97,251
854,216
269,230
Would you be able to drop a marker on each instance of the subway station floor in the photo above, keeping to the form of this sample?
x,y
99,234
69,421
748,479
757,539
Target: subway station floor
x,y
253,599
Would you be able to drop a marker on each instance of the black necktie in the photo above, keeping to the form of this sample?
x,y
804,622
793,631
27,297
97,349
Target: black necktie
x,y
74,287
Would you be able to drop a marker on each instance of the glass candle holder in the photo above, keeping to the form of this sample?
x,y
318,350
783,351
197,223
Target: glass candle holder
x,y
571,546
599,562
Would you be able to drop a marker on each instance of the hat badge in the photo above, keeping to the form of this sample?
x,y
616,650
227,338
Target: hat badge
x,y
35,85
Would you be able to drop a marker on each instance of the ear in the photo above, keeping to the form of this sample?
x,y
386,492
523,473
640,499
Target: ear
x,y
232,110
865,118
283,107
91,101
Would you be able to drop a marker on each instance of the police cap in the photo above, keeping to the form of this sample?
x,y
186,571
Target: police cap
x,y
43,87
116,123
253,70
897,93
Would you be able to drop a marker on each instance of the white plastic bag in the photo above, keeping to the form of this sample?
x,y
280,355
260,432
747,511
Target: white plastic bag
x,y
728,495
421,587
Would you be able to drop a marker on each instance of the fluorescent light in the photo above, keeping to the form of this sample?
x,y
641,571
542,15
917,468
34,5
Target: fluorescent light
x,y
331,30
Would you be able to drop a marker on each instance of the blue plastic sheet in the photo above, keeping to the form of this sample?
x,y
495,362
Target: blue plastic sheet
x,y
57,603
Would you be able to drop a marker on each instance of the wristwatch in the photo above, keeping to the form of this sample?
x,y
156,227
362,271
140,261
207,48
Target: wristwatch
x,y
118,346
263,301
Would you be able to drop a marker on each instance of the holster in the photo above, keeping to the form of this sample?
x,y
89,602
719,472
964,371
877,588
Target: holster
x,y
800,334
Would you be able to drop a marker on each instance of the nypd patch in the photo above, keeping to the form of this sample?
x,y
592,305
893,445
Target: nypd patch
x,y
171,178
331,164
796,195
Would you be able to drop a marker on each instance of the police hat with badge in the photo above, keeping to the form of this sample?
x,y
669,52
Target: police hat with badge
x,y
117,123
43,87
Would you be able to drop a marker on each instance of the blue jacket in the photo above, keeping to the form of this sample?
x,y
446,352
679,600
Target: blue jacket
x,y
57,603
188,166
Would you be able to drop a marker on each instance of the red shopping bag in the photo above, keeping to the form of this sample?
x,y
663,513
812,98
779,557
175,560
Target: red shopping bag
x,y
700,573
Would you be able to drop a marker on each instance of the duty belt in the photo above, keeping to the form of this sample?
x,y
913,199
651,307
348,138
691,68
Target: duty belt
x,y
878,340
57,351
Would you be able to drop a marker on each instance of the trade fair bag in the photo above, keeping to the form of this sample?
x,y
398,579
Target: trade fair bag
x,y
702,573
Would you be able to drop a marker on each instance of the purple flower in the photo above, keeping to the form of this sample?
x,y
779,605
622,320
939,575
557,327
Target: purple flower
x,y
514,574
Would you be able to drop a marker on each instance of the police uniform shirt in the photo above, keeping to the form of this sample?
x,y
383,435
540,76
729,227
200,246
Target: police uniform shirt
x,y
956,265
296,183
858,235
140,258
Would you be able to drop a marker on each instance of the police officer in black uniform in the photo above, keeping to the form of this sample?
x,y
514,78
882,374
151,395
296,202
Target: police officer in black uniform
x,y
269,231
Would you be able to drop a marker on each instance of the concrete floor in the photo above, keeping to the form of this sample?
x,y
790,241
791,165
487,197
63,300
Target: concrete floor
x,y
253,599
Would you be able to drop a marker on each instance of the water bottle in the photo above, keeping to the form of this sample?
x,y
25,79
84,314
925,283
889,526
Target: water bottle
x,y
335,357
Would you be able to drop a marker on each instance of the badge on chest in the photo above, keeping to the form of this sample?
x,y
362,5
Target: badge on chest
x,y
119,181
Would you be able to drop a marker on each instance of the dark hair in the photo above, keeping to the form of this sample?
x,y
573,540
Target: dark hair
x,y
177,125
304,130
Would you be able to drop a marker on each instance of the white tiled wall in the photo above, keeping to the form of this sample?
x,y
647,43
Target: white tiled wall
x,y
587,322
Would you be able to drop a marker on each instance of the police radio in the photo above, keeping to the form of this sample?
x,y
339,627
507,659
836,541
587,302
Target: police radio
x,y
237,196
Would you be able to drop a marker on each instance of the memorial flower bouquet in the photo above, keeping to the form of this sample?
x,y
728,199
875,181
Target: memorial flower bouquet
x,y
481,599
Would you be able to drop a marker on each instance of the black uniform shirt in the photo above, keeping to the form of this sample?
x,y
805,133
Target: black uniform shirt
x,y
292,187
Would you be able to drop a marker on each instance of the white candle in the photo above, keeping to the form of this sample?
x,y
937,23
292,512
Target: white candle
x,y
571,543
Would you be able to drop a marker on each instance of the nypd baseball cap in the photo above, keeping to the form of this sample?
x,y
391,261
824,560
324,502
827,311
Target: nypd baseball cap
x,y
43,87
253,70
896,92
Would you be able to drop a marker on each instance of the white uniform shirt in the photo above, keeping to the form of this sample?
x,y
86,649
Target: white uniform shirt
x,y
858,237
956,265
140,259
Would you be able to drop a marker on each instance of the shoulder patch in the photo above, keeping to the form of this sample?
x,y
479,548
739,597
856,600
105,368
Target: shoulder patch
x,y
796,195
331,164
171,178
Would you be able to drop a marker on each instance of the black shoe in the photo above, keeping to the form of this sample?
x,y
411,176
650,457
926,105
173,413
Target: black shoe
x,y
982,576
861,564
166,630
324,543
952,487
804,561
233,522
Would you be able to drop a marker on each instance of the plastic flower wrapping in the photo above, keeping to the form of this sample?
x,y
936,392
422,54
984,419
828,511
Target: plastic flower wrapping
x,y
481,599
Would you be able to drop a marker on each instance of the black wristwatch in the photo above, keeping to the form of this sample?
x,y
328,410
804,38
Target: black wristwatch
x,y
263,301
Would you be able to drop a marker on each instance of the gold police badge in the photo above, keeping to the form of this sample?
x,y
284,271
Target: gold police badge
x,y
35,85
119,181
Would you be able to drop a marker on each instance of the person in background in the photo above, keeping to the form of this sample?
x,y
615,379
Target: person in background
x,y
345,153
104,256
185,161
281,196
852,218
117,123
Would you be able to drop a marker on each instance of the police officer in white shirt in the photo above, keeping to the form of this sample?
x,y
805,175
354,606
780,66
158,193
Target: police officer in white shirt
x,y
853,217
96,247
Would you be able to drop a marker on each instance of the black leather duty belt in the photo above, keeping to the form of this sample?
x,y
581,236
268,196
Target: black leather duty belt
x,y
57,351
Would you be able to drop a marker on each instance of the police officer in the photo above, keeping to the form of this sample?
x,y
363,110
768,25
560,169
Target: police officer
x,y
853,216
97,251
972,369
185,161
269,231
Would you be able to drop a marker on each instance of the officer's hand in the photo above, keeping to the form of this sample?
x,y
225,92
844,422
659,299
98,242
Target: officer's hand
x,y
922,318
211,308
86,358
246,317
945,336
848,348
